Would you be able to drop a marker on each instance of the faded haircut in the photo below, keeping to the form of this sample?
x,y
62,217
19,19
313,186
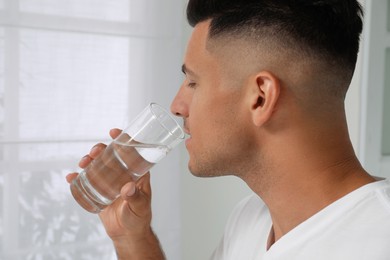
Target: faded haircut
x,y
326,29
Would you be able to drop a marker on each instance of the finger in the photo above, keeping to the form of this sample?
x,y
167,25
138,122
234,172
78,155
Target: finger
x,y
129,190
85,161
115,132
96,150
143,184
137,197
71,176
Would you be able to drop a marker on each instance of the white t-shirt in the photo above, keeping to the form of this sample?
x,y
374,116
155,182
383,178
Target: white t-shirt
x,y
355,227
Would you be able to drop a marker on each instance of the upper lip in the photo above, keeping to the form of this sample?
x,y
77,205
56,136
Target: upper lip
x,y
185,127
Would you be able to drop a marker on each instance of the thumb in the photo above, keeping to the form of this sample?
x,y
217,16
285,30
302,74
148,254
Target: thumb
x,y
138,201
128,190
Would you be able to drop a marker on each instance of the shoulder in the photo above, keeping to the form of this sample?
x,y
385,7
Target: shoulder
x,y
250,207
383,192
251,202
246,231
246,215
363,218
369,204
378,197
363,226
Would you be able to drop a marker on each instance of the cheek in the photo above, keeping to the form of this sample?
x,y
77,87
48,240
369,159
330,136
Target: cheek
x,y
201,111
212,127
214,115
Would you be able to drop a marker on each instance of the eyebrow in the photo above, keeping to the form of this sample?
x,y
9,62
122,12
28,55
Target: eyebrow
x,y
186,70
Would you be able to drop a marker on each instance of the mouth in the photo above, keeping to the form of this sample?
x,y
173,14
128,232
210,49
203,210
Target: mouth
x,y
186,131
187,136
185,128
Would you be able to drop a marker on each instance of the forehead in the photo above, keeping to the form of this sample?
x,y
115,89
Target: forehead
x,y
231,58
199,35
222,57
197,47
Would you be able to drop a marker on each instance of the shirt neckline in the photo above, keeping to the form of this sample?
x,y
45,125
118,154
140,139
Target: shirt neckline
x,y
320,218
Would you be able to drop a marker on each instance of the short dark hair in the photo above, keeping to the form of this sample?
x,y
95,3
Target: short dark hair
x,y
330,28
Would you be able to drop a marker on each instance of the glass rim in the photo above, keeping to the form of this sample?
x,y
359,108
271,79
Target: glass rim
x,y
170,116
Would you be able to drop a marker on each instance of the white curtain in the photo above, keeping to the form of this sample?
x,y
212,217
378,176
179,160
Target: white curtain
x,y
69,71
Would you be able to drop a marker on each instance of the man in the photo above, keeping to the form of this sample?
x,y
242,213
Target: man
x,y
263,99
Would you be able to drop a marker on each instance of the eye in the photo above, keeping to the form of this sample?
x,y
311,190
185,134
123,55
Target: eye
x,y
191,84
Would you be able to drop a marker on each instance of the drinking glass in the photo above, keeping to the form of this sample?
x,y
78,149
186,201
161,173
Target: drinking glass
x,y
147,139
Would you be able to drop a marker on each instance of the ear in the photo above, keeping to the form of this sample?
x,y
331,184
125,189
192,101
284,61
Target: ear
x,y
264,97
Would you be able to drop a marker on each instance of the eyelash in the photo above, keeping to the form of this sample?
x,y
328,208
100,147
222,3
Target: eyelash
x,y
191,84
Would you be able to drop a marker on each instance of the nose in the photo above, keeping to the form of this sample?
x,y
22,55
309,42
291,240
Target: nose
x,y
181,102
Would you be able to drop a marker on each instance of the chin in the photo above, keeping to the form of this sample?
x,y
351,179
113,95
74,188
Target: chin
x,y
203,172
196,172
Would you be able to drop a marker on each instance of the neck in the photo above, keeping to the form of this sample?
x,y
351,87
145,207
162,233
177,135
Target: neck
x,y
306,176
291,205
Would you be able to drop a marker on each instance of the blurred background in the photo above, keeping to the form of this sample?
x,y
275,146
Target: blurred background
x,y
72,69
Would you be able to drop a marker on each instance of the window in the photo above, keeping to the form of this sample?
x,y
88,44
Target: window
x,y
375,130
69,71
118,10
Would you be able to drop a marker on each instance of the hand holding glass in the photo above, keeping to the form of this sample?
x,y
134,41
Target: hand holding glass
x,y
148,139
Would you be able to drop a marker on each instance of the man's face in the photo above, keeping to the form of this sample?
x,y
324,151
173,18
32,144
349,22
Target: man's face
x,y
212,105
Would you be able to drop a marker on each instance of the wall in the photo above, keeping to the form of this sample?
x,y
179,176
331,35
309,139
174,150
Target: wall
x,y
353,100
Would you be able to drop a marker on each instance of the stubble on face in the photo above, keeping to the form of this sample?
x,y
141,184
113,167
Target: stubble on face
x,y
221,140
